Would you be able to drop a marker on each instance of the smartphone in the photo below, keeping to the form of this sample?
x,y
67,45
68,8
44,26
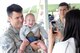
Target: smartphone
x,y
53,26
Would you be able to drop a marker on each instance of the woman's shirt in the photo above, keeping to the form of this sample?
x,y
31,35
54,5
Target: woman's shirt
x,y
67,46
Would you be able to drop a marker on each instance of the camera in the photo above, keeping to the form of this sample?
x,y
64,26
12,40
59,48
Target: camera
x,y
53,26
51,17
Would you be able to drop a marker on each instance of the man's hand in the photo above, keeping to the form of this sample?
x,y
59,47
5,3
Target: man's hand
x,y
34,45
23,46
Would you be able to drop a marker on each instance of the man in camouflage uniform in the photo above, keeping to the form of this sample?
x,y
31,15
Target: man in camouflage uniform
x,y
10,41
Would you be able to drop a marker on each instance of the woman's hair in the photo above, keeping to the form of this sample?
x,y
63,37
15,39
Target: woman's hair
x,y
72,27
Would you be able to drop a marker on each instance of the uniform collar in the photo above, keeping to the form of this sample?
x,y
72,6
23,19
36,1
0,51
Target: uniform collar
x,y
15,30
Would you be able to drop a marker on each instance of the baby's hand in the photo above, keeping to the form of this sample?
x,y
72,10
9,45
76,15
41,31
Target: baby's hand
x,y
34,42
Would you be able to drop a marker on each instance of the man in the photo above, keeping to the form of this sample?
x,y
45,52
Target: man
x,y
10,41
63,9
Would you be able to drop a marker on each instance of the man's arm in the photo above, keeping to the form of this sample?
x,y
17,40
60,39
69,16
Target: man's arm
x,y
7,45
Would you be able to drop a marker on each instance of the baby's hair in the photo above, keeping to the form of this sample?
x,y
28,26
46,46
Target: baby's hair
x,y
29,14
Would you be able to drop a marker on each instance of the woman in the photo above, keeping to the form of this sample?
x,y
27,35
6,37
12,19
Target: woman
x,y
71,41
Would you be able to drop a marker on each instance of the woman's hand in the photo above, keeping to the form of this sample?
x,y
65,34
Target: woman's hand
x,y
58,35
50,39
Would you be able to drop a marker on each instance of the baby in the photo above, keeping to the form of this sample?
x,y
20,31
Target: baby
x,y
32,32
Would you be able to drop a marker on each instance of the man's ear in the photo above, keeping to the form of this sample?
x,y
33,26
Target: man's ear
x,y
9,18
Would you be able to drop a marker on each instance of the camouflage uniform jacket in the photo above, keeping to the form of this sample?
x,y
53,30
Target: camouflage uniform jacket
x,y
10,42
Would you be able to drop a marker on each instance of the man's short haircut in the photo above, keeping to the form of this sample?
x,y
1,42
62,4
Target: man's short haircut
x,y
14,7
64,4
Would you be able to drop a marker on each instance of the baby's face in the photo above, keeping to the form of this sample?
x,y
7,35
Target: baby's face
x,y
30,20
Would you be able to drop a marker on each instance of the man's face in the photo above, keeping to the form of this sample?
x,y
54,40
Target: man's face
x,y
63,10
16,19
30,20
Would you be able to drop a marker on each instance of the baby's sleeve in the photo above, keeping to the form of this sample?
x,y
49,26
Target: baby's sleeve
x,y
43,32
22,35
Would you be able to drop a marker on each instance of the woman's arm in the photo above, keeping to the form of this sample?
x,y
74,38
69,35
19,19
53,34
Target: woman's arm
x,y
50,40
